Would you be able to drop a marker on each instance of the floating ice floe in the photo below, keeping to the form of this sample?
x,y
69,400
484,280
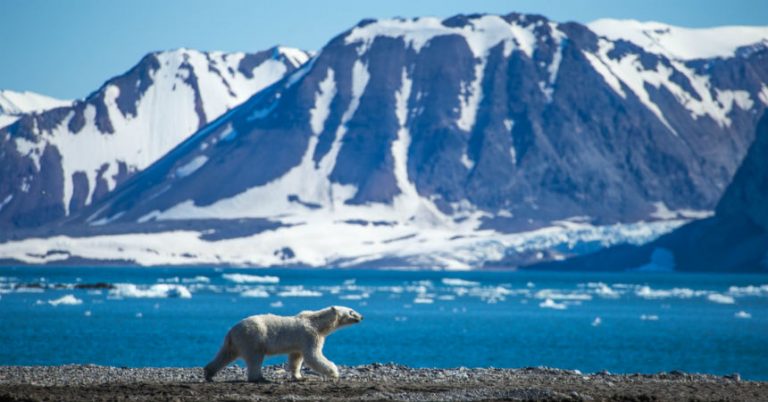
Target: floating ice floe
x,y
720,298
603,290
646,292
354,297
490,294
758,291
459,282
245,278
649,317
162,290
260,293
742,314
549,303
276,304
299,291
423,300
596,322
87,313
197,279
557,295
70,300
28,290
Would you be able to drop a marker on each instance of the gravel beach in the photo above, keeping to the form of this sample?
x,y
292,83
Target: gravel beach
x,y
370,382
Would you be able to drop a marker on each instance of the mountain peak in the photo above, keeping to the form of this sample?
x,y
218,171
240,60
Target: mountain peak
x,y
297,57
481,31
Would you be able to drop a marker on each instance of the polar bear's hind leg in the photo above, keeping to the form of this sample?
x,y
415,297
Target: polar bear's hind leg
x,y
227,354
254,361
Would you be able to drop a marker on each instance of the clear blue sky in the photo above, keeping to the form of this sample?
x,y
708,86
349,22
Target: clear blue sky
x,y
69,48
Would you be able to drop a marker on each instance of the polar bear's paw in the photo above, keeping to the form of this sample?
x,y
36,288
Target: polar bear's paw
x,y
208,375
259,380
333,375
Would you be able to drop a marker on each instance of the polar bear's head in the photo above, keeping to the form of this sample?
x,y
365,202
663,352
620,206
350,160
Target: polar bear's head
x,y
346,316
332,318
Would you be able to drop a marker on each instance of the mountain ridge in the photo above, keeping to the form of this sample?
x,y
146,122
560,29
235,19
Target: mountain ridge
x,y
537,141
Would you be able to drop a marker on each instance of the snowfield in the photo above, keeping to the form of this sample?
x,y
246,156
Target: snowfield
x,y
332,244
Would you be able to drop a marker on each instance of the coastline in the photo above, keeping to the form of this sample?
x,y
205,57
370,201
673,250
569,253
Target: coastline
x,y
368,382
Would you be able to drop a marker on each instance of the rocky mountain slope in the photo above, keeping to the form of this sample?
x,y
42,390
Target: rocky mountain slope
x,y
735,239
457,143
57,161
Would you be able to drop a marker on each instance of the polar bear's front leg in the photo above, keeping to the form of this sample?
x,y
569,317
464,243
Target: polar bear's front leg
x,y
254,362
316,361
294,363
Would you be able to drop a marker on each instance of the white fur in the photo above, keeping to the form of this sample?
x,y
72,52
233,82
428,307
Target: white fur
x,y
301,337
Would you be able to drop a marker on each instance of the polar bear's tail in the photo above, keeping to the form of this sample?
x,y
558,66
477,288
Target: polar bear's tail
x,y
227,354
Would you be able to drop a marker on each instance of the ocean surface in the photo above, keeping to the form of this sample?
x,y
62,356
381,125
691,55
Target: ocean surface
x,y
625,322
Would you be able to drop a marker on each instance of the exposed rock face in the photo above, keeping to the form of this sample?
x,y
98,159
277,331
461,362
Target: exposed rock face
x,y
57,161
747,195
734,240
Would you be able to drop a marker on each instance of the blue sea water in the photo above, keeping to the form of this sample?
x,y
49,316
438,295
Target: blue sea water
x,y
627,322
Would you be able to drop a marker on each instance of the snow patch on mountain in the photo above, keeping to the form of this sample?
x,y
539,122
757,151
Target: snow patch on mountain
x,y
469,99
678,42
326,93
403,142
13,104
764,94
297,57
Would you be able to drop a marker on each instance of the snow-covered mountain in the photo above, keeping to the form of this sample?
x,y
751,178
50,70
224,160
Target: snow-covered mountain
x,y
13,104
465,142
58,161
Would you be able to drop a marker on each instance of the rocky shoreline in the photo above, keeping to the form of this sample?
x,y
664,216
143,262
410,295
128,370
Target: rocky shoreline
x,y
369,382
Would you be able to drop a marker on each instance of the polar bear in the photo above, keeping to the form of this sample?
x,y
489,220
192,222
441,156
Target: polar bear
x,y
301,337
